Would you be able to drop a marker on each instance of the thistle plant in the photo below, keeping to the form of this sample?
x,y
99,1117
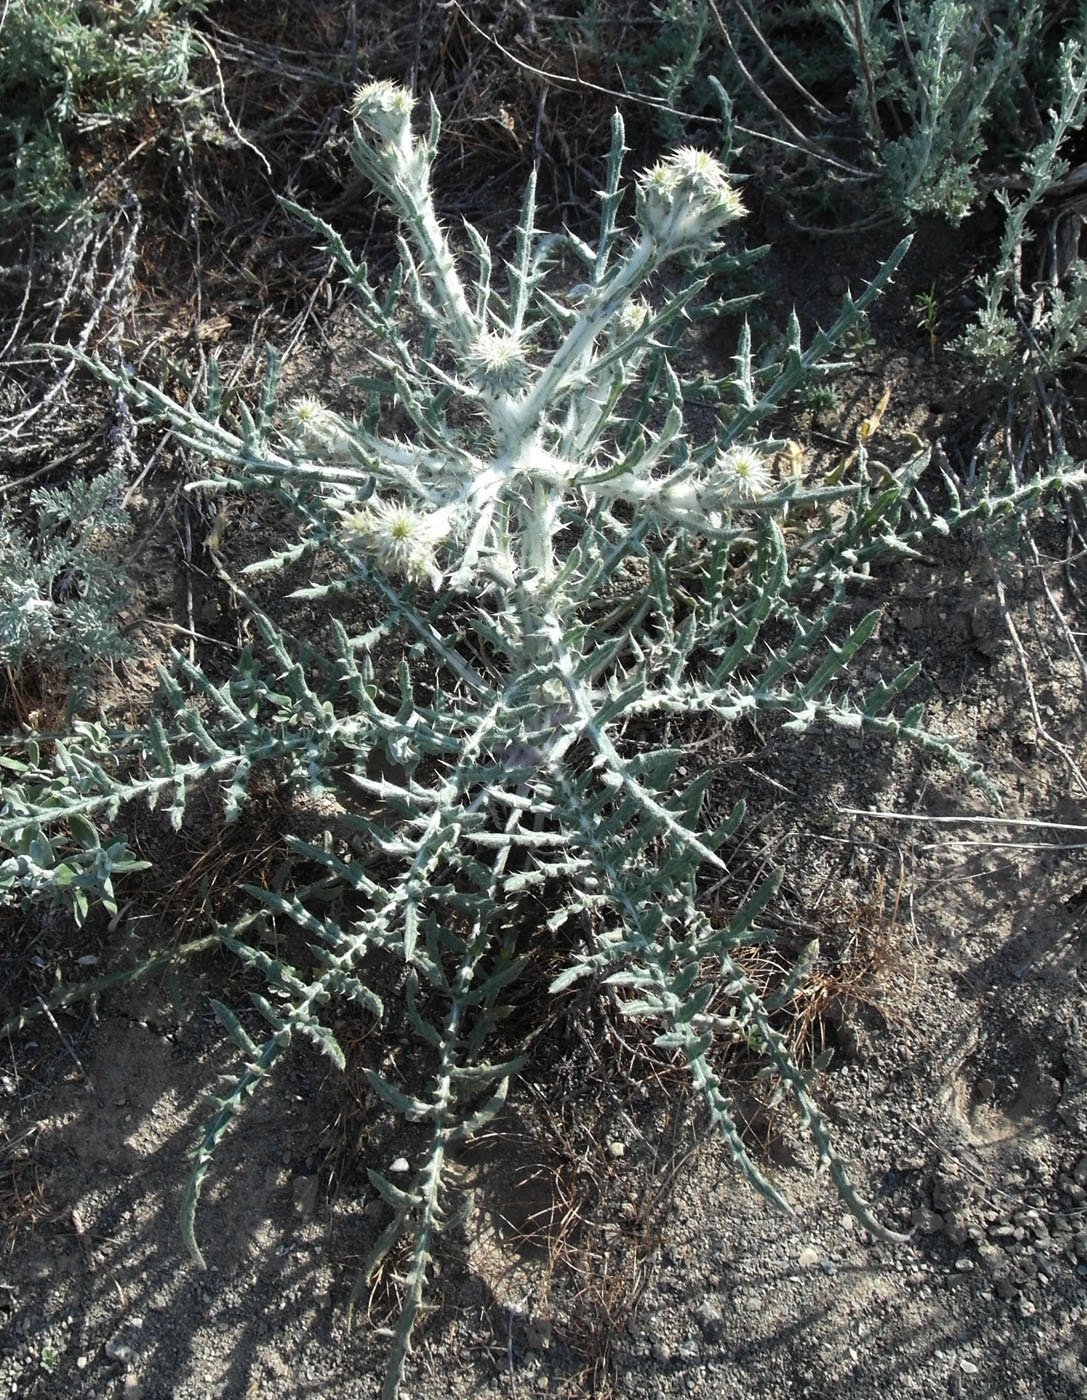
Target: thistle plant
x,y
523,517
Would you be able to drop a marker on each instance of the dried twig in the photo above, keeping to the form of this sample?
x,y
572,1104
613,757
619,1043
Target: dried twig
x,y
805,142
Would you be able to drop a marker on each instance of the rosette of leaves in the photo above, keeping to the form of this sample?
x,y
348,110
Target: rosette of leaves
x,y
524,515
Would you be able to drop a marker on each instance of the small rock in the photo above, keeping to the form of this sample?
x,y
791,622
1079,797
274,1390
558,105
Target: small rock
x,y
399,1167
304,1189
967,1367
132,1389
927,1221
955,1227
117,1350
1079,1172
711,1320
809,1257
1026,1308
991,1255
538,1334
616,1148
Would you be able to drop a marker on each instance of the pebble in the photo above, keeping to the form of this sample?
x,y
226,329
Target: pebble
x,y
615,1148
809,1257
119,1351
967,1367
927,1221
304,1190
538,1334
955,1228
399,1167
711,1320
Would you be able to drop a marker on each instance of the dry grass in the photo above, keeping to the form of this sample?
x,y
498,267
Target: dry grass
x,y
23,1205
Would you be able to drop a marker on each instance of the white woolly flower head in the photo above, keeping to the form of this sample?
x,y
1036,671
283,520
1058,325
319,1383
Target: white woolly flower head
x,y
686,197
742,476
312,425
497,361
384,108
632,317
401,540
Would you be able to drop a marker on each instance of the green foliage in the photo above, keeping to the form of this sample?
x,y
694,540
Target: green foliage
x,y
523,517
54,856
64,63
1028,331
908,106
931,81
61,587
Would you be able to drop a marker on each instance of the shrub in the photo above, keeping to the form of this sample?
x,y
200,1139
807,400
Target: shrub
x,y
909,108
63,62
1029,330
61,588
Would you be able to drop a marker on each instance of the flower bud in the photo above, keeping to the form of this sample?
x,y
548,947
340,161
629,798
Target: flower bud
x,y
685,198
632,317
384,108
314,427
